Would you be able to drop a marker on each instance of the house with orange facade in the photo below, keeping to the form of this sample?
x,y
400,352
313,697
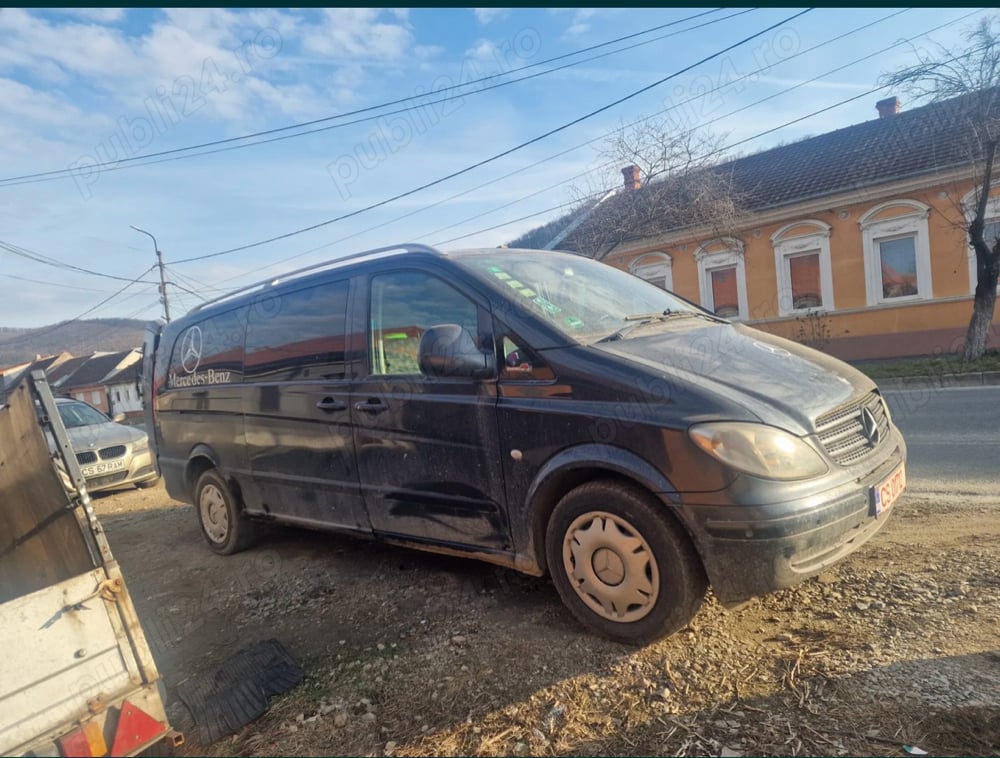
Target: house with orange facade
x,y
854,241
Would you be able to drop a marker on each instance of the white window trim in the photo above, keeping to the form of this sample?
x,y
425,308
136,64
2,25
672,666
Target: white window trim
x,y
652,266
711,261
992,214
785,248
912,224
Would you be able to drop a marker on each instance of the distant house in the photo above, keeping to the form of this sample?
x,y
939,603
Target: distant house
x,y
854,241
88,382
123,391
59,374
11,376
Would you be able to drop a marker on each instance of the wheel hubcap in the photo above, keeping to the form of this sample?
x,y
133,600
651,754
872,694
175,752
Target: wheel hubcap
x,y
611,566
214,515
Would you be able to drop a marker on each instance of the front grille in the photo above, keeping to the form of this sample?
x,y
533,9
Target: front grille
x,y
841,431
88,456
109,453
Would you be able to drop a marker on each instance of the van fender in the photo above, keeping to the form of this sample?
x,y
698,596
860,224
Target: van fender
x,y
574,466
200,450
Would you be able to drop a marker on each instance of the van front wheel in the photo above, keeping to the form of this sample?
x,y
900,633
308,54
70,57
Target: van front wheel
x,y
621,565
226,529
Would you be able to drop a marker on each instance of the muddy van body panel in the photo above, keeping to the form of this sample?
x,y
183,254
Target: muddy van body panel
x,y
335,410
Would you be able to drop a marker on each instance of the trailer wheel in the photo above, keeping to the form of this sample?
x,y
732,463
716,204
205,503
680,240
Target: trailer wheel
x,y
227,530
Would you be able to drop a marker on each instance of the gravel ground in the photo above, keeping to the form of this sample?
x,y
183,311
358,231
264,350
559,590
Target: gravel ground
x,y
413,654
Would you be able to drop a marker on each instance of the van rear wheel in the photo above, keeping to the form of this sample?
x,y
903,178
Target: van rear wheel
x,y
226,529
622,566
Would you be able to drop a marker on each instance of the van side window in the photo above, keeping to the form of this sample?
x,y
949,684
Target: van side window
x,y
404,305
298,335
209,352
522,362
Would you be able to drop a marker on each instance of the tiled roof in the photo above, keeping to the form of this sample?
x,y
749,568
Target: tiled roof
x,y
924,140
932,138
94,370
65,369
127,375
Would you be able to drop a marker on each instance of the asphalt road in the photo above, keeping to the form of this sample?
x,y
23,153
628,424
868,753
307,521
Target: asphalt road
x,y
953,438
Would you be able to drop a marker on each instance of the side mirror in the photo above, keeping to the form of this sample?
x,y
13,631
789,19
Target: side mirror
x,y
119,418
448,350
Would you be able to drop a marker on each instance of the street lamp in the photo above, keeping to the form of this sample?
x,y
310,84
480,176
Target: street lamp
x,y
163,279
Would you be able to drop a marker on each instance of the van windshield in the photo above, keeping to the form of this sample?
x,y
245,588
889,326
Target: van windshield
x,y
586,300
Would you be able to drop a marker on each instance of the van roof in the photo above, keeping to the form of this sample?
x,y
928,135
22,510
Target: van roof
x,y
390,251
332,264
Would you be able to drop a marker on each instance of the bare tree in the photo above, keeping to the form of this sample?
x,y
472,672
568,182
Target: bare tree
x,y
678,186
972,71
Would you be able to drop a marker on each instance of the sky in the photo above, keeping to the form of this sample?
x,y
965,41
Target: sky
x,y
85,93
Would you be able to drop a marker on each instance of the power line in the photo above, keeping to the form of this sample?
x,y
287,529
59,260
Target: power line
x,y
46,260
134,161
502,154
727,147
55,284
508,175
87,312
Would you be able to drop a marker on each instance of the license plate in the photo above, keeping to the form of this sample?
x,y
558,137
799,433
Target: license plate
x,y
886,492
96,469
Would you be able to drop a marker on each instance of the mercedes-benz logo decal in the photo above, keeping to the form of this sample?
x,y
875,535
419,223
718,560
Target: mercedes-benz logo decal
x,y
191,350
869,427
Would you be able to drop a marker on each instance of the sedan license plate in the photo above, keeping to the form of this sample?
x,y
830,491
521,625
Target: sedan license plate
x,y
96,469
886,492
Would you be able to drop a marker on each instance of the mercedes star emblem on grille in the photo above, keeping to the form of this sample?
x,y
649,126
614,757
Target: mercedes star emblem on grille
x,y
869,427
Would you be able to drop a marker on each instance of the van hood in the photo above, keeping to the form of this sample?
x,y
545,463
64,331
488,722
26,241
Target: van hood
x,y
781,382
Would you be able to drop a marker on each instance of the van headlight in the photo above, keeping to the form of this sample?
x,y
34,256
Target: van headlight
x,y
141,445
764,451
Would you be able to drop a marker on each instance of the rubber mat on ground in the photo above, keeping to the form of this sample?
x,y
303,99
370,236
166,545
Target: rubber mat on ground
x,y
225,699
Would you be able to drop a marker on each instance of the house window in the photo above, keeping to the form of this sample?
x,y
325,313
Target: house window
x,y
655,268
95,397
118,395
991,232
897,252
898,267
802,262
722,278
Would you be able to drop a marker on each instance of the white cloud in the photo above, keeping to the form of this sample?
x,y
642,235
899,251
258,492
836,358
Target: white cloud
x,y
350,32
580,23
487,15
23,103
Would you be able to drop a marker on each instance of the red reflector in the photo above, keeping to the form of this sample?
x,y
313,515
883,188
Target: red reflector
x,y
135,727
86,741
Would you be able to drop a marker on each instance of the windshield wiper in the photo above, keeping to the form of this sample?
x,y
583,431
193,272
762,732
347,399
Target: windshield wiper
x,y
641,319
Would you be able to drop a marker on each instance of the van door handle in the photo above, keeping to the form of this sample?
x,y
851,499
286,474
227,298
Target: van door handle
x,y
372,405
330,404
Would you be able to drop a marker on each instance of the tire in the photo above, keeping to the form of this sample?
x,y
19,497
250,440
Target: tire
x,y
223,524
148,483
639,577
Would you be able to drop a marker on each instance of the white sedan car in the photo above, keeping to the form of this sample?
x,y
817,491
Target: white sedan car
x,y
110,454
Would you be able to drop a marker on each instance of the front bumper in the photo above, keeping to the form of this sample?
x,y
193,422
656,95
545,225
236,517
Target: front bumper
x,y
139,468
750,550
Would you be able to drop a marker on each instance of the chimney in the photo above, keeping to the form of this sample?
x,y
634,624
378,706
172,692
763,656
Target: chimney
x,y
631,174
888,108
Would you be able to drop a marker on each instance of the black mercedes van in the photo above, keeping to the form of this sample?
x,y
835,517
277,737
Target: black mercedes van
x,y
534,409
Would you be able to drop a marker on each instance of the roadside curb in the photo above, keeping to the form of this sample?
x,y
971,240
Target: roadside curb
x,y
941,381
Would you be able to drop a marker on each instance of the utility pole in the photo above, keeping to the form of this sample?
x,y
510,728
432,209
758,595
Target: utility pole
x,y
163,277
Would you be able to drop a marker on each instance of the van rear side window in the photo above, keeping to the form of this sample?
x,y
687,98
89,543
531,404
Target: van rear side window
x,y
209,352
298,335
